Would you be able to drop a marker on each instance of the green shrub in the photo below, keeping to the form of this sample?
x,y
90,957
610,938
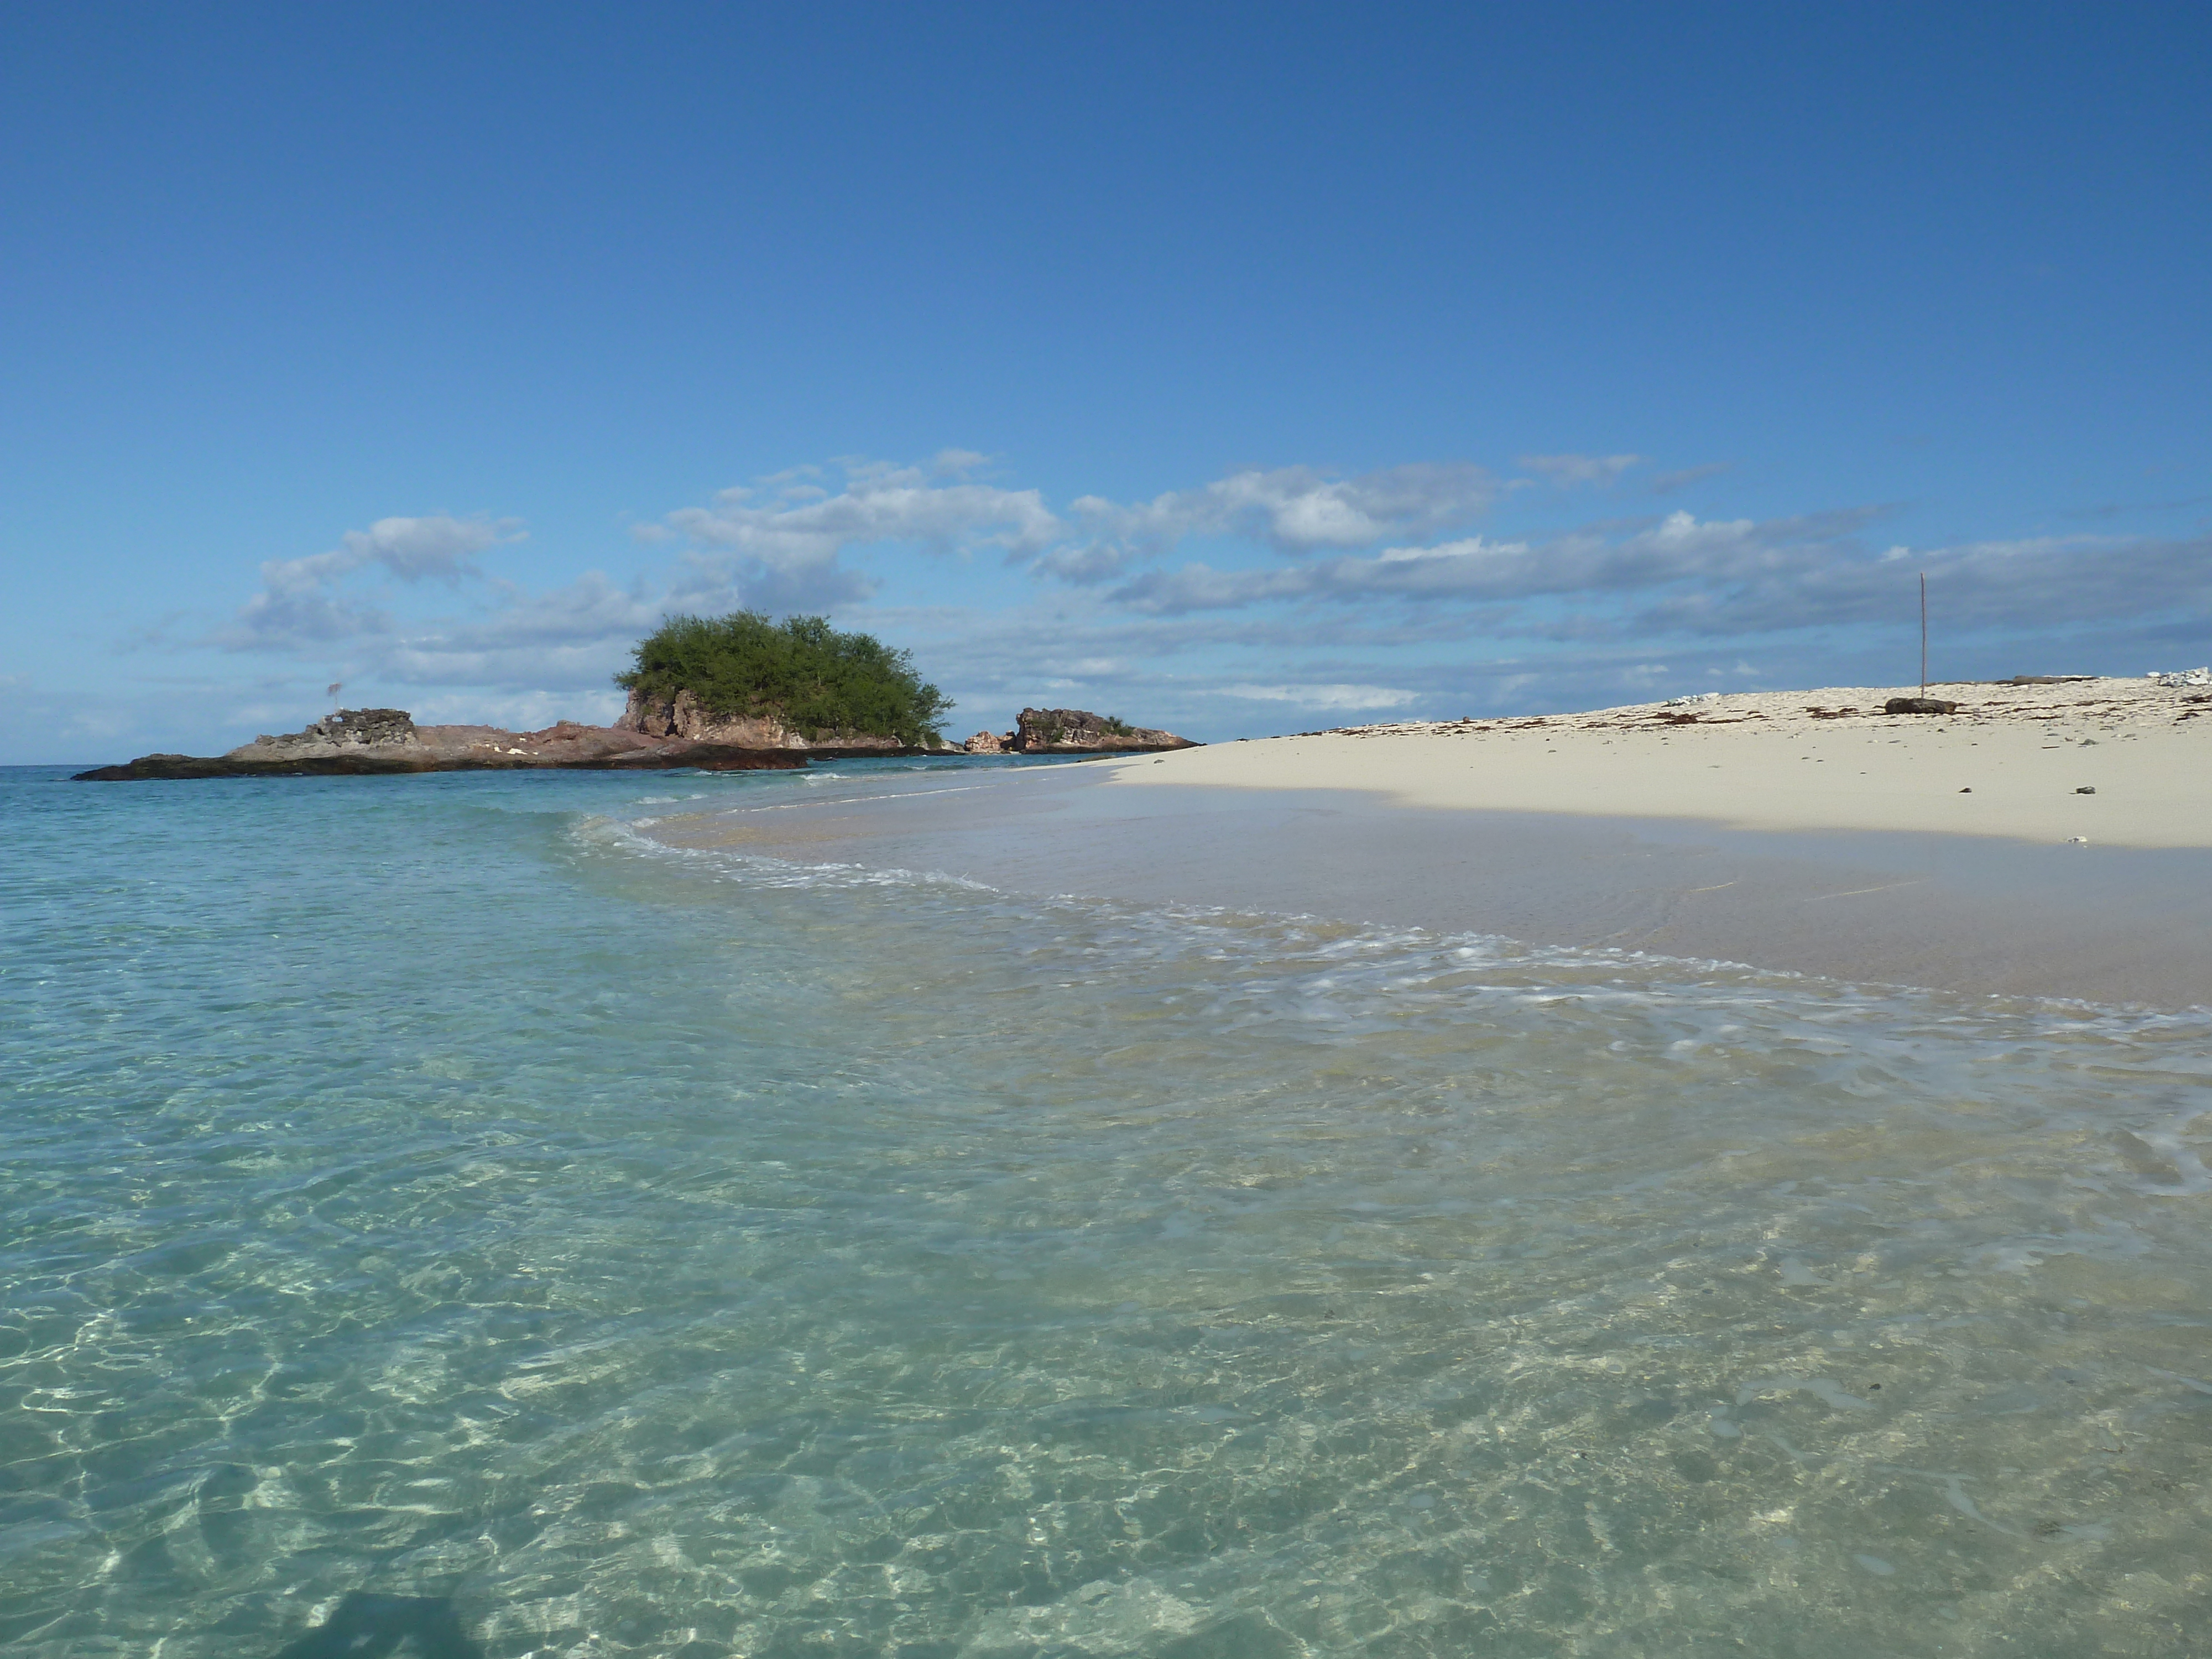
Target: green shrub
x,y
800,670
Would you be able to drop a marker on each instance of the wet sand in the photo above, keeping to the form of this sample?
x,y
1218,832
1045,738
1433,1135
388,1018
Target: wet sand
x,y
1963,913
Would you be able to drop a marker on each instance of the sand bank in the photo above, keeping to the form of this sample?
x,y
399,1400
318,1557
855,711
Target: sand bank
x,y
1967,914
2010,762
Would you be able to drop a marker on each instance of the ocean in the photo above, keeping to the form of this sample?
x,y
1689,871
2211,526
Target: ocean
x,y
442,1218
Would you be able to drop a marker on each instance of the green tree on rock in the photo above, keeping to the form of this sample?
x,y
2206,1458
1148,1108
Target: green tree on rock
x,y
813,677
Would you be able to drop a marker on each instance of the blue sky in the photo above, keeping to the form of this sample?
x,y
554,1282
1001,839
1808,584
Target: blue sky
x,y
1237,369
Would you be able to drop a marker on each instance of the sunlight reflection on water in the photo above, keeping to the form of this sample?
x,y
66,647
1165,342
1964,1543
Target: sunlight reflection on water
x,y
436,1193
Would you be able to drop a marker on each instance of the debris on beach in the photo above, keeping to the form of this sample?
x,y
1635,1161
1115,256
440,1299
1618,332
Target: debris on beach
x,y
2173,680
2104,706
1919,706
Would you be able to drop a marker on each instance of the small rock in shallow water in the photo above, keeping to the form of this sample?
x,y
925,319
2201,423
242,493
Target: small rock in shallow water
x,y
2086,789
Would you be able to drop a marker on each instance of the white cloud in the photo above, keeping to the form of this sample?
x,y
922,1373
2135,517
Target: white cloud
x,y
573,636
2037,582
299,600
1090,563
1663,483
1297,510
1380,579
1676,548
783,553
1565,470
1326,696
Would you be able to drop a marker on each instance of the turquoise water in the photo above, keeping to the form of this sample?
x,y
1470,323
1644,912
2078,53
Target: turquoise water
x,y
432,1207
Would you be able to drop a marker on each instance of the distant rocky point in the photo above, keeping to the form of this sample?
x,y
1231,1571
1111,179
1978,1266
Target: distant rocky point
x,y
1078,732
377,741
653,735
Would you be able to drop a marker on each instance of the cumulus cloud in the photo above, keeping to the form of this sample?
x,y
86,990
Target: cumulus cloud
x,y
1565,471
1349,593
782,542
1677,548
1089,563
299,600
1297,510
1718,579
571,636
776,544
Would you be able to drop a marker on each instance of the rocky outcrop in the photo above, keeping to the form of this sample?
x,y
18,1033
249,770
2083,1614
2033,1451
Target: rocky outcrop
x,y
347,731
381,741
1919,706
650,736
1078,732
682,716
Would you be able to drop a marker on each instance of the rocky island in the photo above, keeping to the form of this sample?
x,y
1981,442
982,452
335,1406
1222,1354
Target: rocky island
x,y
371,742
1078,732
727,694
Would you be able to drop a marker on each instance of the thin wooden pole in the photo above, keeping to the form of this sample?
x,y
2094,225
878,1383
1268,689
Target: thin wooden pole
x,y
1924,633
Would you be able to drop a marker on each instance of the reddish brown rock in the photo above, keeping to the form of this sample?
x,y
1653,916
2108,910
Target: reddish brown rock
x,y
377,741
681,716
1078,732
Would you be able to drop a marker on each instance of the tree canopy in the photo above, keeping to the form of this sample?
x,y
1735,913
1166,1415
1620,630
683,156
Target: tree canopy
x,y
812,676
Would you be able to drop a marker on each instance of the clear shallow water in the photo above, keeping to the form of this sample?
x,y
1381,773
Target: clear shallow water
x,y
430,1188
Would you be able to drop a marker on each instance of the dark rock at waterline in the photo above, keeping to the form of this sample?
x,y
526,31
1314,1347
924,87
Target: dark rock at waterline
x,y
1078,732
701,756
1919,706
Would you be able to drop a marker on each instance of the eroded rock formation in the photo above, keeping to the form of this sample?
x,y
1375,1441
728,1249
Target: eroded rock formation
x,y
348,731
681,716
1078,732
386,740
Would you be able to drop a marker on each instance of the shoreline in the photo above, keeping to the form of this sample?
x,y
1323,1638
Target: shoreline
x,y
1279,826
2104,762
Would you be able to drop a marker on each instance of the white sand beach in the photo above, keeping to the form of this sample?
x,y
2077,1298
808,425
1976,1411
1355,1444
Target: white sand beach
x,y
2011,763
1780,829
